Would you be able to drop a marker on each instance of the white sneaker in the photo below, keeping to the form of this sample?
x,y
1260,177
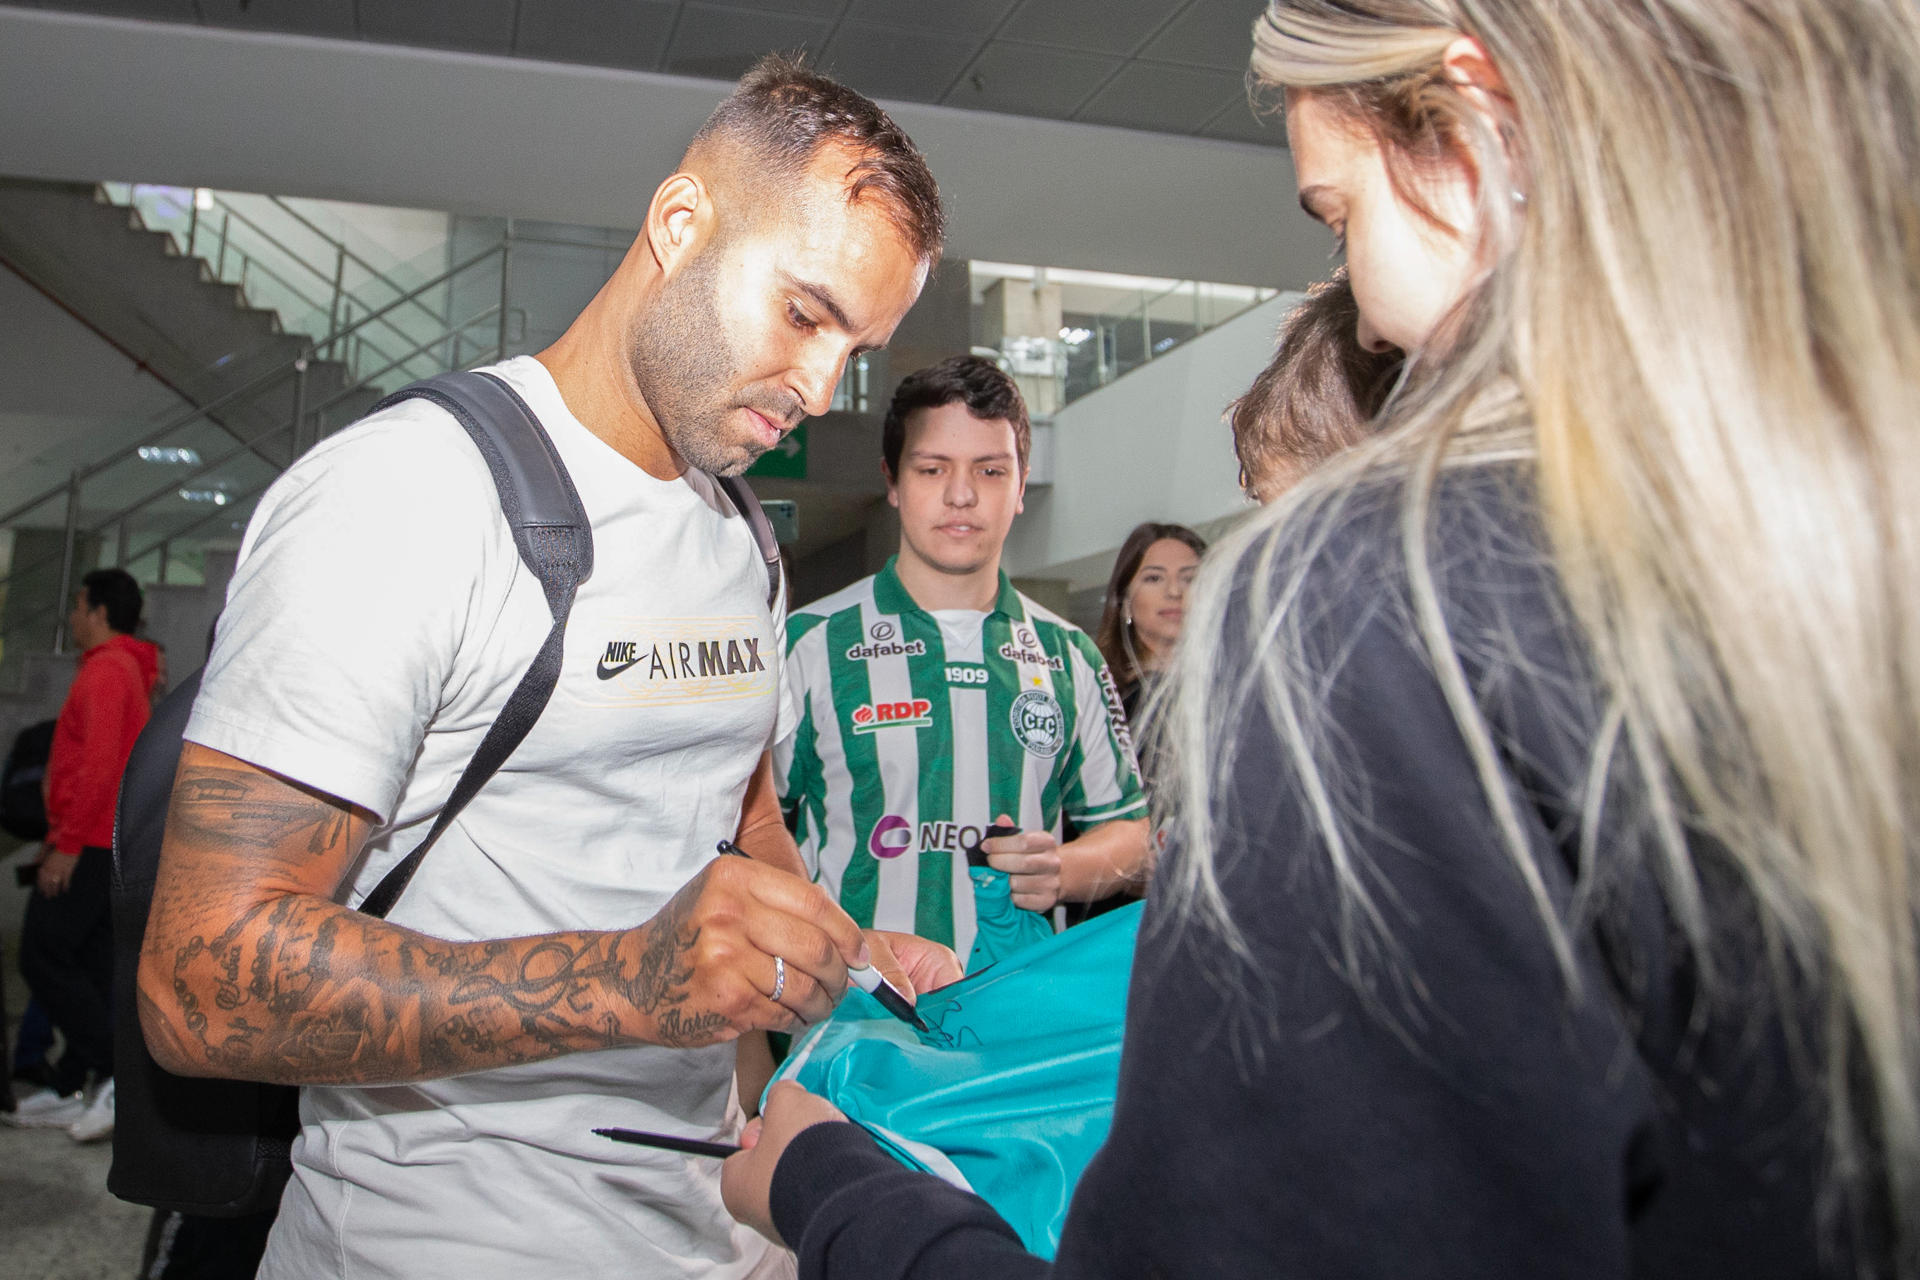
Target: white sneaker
x,y
47,1110
96,1122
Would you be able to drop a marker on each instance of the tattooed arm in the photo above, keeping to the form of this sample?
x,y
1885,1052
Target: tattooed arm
x,y
250,970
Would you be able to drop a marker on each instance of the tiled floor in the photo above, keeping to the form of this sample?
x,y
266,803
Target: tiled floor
x,y
57,1221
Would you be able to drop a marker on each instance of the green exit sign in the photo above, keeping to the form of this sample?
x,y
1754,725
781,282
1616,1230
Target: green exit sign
x,y
786,460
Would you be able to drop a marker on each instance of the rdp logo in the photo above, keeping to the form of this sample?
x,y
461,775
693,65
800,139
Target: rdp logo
x,y
892,715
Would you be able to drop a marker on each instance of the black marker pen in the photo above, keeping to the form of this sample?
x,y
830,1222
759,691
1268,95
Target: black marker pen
x,y
670,1142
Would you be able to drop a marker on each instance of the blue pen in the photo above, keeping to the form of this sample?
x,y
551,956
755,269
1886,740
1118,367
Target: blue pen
x,y
865,977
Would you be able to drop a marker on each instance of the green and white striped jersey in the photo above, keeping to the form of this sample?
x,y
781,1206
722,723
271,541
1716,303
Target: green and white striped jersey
x,y
917,728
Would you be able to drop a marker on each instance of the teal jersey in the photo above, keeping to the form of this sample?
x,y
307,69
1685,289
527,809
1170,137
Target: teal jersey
x,y
917,729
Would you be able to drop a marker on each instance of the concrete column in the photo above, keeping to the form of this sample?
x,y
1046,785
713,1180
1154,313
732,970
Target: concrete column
x,y
1021,318
940,325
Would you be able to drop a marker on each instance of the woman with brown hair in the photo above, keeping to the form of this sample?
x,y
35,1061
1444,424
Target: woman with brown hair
x,y
1145,607
1316,398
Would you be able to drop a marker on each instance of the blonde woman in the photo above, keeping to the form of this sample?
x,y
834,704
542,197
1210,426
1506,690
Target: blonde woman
x,y
1543,900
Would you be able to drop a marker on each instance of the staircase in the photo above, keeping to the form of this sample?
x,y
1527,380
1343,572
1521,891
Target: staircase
x,y
259,385
167,312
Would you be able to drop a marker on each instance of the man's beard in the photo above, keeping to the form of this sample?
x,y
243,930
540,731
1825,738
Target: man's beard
x,y
683,365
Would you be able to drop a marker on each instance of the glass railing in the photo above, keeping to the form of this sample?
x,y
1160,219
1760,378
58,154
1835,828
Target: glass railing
x,y
1109,325
1118,340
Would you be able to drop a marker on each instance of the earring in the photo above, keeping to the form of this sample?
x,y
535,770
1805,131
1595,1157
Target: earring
x,y
1519,198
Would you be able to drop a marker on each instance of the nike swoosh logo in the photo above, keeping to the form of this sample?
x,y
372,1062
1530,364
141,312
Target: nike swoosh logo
x,y
606,672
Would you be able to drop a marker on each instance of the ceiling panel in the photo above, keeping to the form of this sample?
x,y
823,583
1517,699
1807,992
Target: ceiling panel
x,y
1238,123
1210,33
827,9
954,17
166,10
1171,99
1027,80
1105,26
477,26
887,62
721,43
623,33
1045,58
308,17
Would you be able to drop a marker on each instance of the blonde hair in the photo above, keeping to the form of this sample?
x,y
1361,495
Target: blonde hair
x,y
1700,333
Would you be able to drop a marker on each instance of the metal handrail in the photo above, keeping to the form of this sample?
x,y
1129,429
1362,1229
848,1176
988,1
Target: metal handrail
x,y
372,270
233,212
294,289
499,246
174,482
249,495
194,415
478,317
25,621
259,384
452,330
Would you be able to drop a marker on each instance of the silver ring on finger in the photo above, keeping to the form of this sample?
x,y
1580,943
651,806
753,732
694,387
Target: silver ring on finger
x,y
779,979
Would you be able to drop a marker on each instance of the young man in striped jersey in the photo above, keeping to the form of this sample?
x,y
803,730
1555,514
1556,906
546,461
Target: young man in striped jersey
x,y
937,700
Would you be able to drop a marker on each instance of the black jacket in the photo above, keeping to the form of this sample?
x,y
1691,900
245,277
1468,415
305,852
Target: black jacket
x,y
1446,1106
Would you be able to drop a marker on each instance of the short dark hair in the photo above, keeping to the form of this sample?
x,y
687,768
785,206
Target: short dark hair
x,y
1319,393
981,385
784,114
116,589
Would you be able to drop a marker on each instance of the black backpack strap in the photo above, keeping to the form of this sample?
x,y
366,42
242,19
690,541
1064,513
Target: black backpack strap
x,y
549,528
741,495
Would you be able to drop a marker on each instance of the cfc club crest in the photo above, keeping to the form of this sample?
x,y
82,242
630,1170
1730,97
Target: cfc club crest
x,y
1038,723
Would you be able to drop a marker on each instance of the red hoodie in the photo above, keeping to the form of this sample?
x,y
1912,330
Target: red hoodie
x,y
104,712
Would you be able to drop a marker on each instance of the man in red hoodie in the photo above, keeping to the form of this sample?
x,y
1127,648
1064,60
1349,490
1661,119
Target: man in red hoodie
x,y
66,947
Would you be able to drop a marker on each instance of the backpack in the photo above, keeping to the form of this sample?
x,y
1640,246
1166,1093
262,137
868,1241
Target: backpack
x,y
221,1148
23,807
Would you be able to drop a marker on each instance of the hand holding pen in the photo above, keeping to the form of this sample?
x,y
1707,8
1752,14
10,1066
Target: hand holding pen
x,y
866,977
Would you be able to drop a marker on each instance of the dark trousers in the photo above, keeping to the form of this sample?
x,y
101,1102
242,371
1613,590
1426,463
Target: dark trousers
x,y
181,1246
66,956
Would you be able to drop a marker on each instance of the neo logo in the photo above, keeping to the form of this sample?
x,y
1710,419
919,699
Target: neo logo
x,y
892,836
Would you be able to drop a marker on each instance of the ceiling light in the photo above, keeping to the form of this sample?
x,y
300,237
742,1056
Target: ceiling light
x,y
171,454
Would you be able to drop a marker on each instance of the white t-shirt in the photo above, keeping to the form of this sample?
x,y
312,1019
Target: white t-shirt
x,y
377,621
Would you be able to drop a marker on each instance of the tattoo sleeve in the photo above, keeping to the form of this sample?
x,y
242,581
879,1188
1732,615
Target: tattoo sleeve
x,y
249,969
